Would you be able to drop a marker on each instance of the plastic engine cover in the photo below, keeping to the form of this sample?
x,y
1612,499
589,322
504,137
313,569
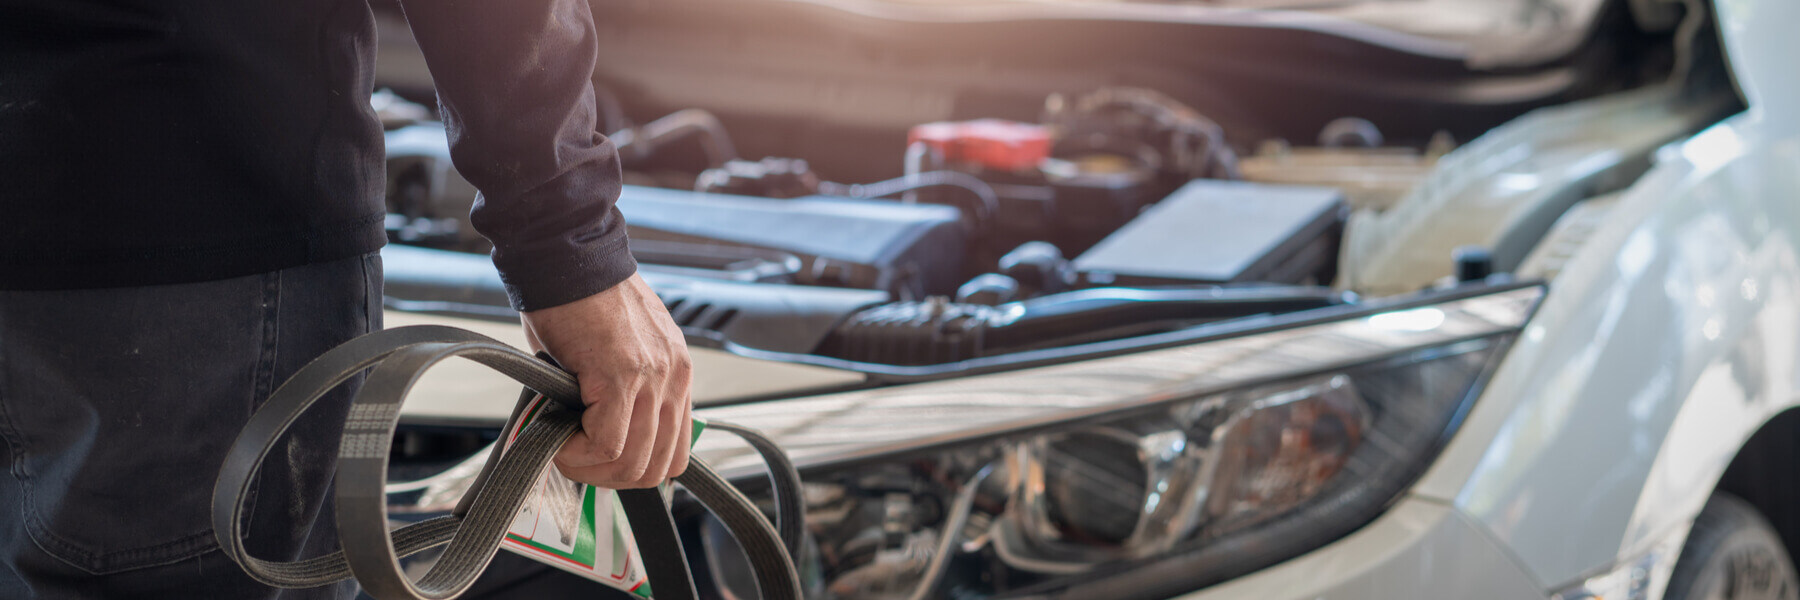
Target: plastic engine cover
x,y
910,250
775,317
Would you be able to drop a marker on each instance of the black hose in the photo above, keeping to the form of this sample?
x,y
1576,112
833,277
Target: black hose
x,y
936,332
987,202
643,140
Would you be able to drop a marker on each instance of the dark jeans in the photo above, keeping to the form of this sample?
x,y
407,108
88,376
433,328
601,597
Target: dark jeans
x,y
117,406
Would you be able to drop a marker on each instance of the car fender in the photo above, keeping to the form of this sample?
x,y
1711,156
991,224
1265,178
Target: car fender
x,y
1668,340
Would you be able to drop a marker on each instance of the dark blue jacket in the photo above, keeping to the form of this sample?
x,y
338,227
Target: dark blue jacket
x,y
162,141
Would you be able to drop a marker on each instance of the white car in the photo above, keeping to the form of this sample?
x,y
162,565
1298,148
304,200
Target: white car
x,y
1235,390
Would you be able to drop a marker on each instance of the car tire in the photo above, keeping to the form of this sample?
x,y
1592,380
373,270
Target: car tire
x,y
1732,553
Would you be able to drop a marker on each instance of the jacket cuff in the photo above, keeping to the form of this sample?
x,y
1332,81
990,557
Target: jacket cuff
x,y
549,275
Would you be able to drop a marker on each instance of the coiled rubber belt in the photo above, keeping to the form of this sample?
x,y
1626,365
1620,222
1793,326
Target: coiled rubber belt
x,y
474,529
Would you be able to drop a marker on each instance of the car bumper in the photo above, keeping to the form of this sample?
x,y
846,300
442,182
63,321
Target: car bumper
x,y
1418,549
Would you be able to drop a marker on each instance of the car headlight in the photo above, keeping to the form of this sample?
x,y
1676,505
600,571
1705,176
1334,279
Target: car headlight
x,y
1137,468
1141,474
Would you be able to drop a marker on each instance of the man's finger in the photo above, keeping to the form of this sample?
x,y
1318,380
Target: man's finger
x,y
629,468
645,422
603,426
680,417
668,432
678,462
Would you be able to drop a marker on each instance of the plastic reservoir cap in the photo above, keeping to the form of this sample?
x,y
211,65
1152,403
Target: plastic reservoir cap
x,y
992,143
1473,263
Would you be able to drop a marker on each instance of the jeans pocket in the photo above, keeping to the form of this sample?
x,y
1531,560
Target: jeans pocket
x,y
118,406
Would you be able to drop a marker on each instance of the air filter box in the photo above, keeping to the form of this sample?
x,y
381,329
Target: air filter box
x,y
1213,231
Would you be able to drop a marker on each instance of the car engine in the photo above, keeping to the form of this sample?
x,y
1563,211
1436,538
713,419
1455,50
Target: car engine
x,y
1122,213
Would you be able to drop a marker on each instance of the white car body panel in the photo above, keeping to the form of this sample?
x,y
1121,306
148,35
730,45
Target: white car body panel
x,y
1666,341
1661,347
1418,549
1503,190
1690,282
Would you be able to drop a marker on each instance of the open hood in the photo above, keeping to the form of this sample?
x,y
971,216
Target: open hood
x,y
1485,34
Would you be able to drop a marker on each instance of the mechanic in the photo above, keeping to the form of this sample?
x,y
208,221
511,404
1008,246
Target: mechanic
x,y
192,197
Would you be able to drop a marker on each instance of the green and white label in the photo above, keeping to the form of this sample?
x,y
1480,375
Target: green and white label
x,y
576,527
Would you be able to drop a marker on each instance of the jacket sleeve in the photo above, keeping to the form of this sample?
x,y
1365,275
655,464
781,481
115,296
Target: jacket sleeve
x,y
514,84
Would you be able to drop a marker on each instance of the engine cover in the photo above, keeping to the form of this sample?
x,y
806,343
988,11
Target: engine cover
x,y
780,318
909,250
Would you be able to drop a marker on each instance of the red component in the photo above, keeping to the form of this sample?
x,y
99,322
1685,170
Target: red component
x,y
990,143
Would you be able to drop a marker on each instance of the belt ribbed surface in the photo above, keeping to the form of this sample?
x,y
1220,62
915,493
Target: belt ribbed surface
x,y
474,530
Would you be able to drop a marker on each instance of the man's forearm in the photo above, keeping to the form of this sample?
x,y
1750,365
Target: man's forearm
x,y
514,83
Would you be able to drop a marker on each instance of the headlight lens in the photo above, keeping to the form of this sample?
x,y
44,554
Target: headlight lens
x,y
1147,475
1139,486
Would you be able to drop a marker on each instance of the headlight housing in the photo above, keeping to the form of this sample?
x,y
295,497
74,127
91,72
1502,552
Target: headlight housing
x,y
1144,474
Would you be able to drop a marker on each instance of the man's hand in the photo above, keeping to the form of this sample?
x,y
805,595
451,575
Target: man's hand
x,y
633,367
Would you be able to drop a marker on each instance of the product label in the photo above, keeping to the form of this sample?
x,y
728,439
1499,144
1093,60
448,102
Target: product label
x,y
576,527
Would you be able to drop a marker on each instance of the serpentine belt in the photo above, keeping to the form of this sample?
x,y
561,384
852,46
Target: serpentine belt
x,y
474,529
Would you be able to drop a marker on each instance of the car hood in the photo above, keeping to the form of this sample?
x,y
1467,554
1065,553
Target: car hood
x,y
1485,34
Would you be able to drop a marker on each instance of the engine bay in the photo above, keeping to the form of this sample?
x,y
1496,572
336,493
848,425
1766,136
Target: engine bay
x,y
1120,212
998,193
1123,213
